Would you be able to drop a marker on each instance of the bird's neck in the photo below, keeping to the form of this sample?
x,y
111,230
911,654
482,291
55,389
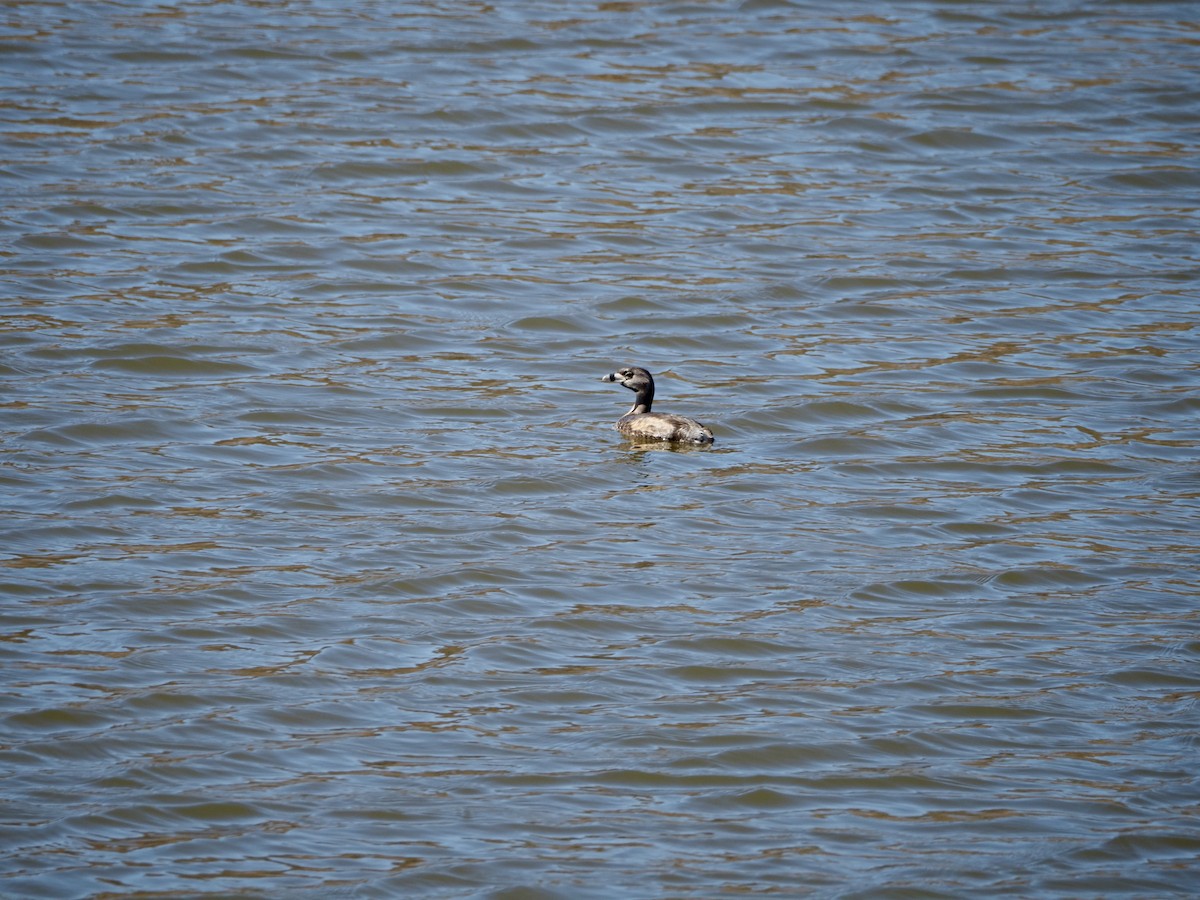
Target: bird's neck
x,y
641,404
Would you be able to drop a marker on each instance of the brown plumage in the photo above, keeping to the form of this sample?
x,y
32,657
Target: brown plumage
x,y
640,424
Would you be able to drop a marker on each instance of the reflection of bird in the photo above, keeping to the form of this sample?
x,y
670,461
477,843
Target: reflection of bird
x,y
640,424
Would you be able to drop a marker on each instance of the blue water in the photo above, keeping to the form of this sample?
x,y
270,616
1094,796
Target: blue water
x,y
325,573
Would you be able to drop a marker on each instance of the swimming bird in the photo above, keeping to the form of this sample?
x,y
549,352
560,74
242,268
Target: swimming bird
x,y
640,424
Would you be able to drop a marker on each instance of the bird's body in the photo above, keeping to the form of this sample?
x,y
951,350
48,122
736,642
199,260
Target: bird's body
x,y
640,424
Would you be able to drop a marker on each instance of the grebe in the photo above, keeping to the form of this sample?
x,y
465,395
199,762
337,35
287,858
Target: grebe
x,y
642,425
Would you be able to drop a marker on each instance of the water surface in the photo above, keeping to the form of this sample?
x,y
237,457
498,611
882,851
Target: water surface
x,y
324,573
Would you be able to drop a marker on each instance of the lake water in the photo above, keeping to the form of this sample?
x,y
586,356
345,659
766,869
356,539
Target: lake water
x,y
325,574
